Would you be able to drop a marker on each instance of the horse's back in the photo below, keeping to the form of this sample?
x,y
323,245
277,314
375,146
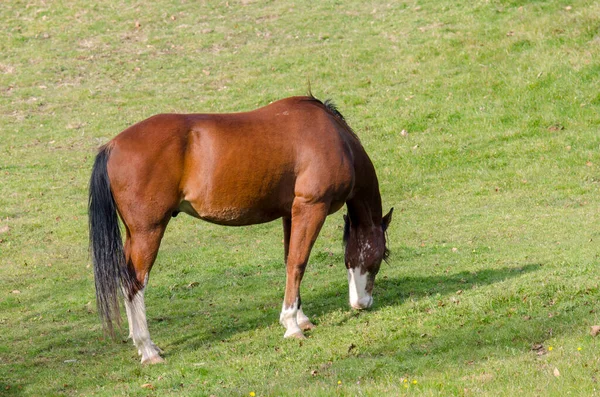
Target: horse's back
x,y
258,162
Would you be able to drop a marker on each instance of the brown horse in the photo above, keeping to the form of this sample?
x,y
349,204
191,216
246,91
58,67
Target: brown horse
x,y
295,159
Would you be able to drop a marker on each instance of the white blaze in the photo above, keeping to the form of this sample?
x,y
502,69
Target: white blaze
x,y
357,283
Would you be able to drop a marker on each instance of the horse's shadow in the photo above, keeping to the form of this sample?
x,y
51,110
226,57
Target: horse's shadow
x,y
320,302
395,291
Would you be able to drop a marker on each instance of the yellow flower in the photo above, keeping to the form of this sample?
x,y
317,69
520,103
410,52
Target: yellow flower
x,y
405,386
414,382
550,348
579,349
405,380
252,394
339,382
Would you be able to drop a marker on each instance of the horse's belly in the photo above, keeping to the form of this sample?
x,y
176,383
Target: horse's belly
x,y
238,216
231,215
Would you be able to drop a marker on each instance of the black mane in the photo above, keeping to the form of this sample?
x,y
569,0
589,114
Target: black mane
x,y
331,106
332,109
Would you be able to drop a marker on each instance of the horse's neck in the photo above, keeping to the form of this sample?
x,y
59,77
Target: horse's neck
x,y
364,208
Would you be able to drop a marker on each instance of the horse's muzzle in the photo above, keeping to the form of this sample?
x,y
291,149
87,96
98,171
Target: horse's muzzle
x,y
362,303
360,295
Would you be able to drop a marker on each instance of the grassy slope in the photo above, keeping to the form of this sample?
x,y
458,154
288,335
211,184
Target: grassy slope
x,y
495,189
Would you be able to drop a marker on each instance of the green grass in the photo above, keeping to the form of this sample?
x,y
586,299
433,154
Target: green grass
x,y
494,238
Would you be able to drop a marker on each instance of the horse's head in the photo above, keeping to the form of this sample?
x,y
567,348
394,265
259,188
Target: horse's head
x,y
365,249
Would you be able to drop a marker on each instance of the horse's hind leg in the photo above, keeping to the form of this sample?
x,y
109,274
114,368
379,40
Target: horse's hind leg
x,y
140,251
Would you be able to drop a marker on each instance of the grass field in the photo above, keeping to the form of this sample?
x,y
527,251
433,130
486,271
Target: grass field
x,y
493,283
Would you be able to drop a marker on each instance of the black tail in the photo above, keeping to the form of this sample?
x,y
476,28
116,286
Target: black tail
x,y
106,246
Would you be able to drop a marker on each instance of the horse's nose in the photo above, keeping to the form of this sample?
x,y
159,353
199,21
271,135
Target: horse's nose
x,y
360,296
362,303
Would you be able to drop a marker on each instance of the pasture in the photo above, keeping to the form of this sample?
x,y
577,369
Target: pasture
x,y
482,119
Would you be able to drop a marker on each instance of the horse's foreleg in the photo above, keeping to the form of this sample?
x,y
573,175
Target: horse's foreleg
x,y
141,250
287,230
301,319
306,222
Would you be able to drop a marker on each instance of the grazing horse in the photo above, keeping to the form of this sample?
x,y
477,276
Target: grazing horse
x,y
295,159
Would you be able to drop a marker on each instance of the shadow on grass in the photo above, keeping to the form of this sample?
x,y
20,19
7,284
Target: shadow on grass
x,y
199,323
250,314
395,291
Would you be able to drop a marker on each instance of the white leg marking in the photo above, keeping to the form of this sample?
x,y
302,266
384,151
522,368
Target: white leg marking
x,y
128,310
288,320
301,317
357,284
139,329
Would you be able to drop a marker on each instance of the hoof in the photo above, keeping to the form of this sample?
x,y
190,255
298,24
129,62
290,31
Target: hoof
x,y
153,360
296,335
307,326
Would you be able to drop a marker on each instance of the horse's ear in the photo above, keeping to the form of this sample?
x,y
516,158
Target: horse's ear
x,y
385,222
